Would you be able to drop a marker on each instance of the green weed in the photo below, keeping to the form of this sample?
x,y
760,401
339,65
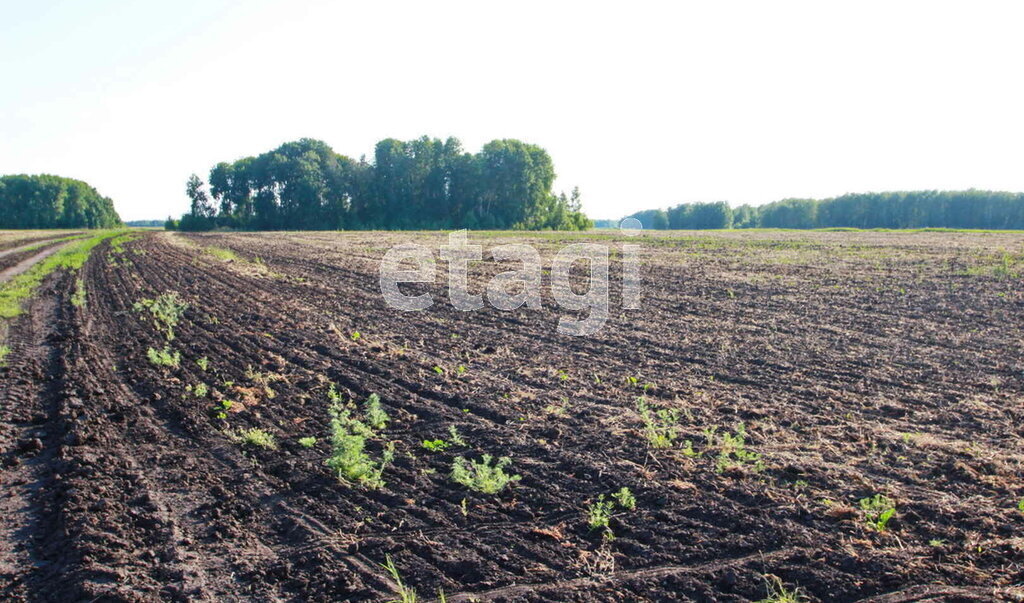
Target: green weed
x,y
878,510
405,593
307,442
349,458
599,513
625,499
166,310
435,445
164,357
660,426
481,476
257,438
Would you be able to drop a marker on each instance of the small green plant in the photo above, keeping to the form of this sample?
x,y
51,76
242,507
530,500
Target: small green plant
x,y
464,508
78,297
600,513
356,336
307,442
257,438
200,390
438,370
481,476
1020,503
660,426
455,437
166,310
778,593
220,410
164,357
625,499
405,594
204,363
936,542
733,451
5,351
349,458
333,395
375,415
878,510
460,370
435,445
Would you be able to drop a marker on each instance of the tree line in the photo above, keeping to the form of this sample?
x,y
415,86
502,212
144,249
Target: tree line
x,y
975,209
45,201
425,183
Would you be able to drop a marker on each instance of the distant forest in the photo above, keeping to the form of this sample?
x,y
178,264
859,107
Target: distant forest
x,y
976,209
419,184
46,201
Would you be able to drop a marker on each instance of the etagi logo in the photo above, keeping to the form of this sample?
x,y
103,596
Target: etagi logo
x,y
513,289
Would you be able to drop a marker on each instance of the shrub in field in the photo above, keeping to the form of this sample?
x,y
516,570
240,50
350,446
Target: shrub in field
x,y
455,437
481,476
660,426
257,438
349,458
164,357
878,510
166,310
375,415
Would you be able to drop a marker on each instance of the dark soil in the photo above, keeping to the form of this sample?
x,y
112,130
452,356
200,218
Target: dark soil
x,y
858,364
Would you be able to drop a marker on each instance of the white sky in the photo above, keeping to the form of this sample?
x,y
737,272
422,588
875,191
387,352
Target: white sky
x,y
641,104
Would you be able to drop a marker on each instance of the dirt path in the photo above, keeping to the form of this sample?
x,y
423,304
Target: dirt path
x,y
21,265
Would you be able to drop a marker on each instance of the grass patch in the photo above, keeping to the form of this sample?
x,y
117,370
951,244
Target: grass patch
x,y
5,351
15,291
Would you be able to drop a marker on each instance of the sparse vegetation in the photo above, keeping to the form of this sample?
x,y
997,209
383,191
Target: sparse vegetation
x,y
165,357
307,442
78,297
482,476
405,594
166,311
660,426
599,513
778,593
878,510
5,351
349,458
256,438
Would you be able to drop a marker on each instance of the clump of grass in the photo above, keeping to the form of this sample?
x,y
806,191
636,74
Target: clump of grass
x,y
78,297
778,593
222,254
167,310
1020,503
405,593
5,351
21,287
200,390
164,357
307,442
349,458
878,510
257,438
203,363
660,426
482,476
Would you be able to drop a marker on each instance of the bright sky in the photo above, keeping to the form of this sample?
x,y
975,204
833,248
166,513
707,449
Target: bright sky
x,y
641,104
